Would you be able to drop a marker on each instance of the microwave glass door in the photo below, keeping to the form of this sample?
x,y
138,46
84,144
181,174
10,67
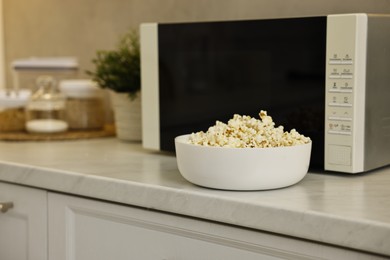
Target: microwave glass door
x,y
209,71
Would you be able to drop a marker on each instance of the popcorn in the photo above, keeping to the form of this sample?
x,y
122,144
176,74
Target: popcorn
x,y
247,132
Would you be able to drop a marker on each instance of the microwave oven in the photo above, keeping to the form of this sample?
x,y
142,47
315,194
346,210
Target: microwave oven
x,y
326,76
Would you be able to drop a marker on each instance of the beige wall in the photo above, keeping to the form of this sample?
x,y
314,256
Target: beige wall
x,y
80,27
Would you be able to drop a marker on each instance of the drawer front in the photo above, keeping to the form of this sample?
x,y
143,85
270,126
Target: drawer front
x,y
85,229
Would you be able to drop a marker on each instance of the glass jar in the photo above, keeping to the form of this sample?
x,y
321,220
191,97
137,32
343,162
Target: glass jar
x,y
85,108
45,111
12,109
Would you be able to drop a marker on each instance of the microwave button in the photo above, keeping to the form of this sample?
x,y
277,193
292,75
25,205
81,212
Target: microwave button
x,y
340,113
346,88
340,90
335,61
334,76
346,73
340,118
346,128
336,132
333,88
346,76
340,125
334,104
346,62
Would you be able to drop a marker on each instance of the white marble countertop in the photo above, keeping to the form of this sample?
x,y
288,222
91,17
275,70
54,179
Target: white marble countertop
x,y
345,210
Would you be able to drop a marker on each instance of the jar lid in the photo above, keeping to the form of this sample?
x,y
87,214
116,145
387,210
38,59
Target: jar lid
x,y
47,63
80,88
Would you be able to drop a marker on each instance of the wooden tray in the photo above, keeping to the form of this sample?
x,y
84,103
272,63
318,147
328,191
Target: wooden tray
x,y
108,131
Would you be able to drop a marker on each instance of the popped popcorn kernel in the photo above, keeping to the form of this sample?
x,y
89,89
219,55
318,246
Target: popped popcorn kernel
x,y
247,132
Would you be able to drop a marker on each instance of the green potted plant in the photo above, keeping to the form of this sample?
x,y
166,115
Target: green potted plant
x,y
119,71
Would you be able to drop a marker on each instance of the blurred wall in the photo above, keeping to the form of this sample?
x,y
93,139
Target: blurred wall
x,y
80,27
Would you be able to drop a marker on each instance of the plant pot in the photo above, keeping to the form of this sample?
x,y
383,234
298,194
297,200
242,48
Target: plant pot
x,y
127,116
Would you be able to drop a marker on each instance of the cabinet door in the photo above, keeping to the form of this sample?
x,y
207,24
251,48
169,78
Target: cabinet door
x,y
23,228
85,229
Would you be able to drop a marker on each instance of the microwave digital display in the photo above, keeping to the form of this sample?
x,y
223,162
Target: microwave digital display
x,y
211,70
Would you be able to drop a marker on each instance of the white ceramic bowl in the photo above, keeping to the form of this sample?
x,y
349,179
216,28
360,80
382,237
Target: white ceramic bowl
x,y
242,168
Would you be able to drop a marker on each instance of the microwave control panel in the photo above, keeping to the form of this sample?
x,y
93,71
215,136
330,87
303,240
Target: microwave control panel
x,y
343,87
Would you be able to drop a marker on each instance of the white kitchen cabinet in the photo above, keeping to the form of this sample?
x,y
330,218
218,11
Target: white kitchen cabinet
x,y
96,230
46,225
23,227
83,229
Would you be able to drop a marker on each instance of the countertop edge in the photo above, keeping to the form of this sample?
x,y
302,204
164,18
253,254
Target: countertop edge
x,y
308,225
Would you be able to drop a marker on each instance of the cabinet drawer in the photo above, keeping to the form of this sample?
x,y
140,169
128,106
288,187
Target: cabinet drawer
x,y
96,230
85,229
